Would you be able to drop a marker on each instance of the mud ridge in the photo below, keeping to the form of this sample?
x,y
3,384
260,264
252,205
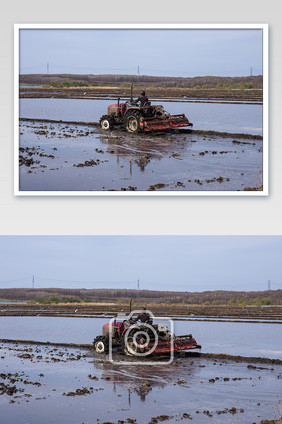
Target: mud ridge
x,y
9,313
181,131
218,356
177,311
29,95
253,359
34,342
109,92
54,121
225,134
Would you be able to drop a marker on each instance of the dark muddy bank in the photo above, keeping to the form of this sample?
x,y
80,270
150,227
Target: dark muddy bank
x,y
124,92
178,131
224,312
72,157
191,354
51,384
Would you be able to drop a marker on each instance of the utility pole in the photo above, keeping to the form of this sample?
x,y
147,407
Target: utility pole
x,y
138,71
33,281
269,285
251,71
138,284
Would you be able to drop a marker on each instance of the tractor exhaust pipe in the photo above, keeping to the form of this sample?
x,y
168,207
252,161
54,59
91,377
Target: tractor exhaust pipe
x,y
131,92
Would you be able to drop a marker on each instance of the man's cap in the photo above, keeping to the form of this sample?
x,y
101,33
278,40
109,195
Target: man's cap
x,y
143,93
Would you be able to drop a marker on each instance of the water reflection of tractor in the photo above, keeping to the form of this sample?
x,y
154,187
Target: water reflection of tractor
x,y
137,381
136,336
135,118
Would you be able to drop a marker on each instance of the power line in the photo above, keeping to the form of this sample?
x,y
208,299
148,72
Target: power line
x,y
147,285
148,70
13,281
151,283
32,67
93,68
86,281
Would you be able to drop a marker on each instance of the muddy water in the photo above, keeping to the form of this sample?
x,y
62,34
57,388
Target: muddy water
x,y
233,118
64,157
67,386
245,339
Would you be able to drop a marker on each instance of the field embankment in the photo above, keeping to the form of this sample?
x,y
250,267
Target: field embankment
x,y
272,313
251,81
91,86
152,92
171,298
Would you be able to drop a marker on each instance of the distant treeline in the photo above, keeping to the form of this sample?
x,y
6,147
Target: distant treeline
x,y
68,80
217,297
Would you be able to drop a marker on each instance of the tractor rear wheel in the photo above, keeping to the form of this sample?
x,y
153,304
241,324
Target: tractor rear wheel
x,y
101,344
129,347
132,121
106,123
132,342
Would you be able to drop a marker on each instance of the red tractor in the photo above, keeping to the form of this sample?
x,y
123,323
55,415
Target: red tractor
x,y
136,118
141,339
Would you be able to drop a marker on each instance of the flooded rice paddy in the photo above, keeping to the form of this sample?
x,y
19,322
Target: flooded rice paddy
x,y
232,118
47,384
69,157
233,338
50,384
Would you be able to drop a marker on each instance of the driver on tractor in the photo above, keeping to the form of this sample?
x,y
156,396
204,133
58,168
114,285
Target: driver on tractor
x,y
144,317
143,99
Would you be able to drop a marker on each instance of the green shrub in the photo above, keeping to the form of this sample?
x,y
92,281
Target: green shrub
x,y
56,299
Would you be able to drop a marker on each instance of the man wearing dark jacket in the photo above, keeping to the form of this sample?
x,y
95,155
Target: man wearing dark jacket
x,y
143,99
144,316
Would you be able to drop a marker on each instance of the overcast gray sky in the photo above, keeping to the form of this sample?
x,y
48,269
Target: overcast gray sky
x,y
185,263
160,52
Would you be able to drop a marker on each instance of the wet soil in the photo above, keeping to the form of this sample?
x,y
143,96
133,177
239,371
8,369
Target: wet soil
x,y
74,157
182,311
178,131
51,384
100,92
188,354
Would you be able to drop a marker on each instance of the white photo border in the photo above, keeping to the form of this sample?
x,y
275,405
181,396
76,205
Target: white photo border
x,y
265,44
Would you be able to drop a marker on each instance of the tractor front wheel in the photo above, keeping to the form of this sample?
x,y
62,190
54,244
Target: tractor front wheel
x,y
132,121
101,345
106,123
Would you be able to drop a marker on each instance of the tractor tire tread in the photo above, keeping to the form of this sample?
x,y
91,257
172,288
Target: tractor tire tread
x,y
104,340
132,113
